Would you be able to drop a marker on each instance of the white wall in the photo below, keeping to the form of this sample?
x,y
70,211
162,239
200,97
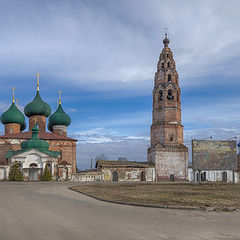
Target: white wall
x,y
216,175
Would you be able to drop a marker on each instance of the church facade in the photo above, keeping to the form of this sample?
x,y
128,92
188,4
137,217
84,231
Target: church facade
x,y
37,148
167,150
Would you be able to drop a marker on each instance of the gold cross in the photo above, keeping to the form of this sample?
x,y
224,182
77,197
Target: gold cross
x,y
38,81
60,96
13,88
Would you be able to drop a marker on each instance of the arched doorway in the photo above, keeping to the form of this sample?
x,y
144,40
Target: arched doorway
x,y
143,176
33,172
224,176
115,176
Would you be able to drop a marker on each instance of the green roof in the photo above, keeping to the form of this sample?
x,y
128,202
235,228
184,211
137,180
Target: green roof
x,y
12,115
34,143
59,117
37,107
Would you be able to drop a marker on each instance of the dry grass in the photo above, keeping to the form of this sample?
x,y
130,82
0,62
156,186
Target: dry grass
x,y
215,195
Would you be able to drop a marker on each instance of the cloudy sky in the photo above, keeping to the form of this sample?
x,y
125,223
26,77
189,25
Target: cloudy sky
x,y
102,54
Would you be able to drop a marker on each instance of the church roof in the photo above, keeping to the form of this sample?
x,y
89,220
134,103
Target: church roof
x,y
34,143
37,107
59,117
42,135
13,115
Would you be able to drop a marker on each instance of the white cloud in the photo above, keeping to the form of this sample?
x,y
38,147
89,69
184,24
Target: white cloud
x,y
116,45
101,135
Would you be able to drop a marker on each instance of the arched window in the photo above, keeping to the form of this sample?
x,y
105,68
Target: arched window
x,y
162,65
171,138
167,55
11,131
170,95
168,64
160,96
177,96
169,77
33,165
115,176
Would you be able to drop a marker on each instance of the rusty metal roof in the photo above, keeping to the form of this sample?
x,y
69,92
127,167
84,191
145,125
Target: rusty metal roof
x,y
115,163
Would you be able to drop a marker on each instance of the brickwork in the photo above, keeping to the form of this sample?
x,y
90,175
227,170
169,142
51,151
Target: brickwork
x,y
60,130
167,150
67,148
37,119
12,128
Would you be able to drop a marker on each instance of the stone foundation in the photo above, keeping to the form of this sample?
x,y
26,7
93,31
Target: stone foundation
x,y
169,160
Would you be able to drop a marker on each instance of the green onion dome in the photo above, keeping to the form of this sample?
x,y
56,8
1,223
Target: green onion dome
x,y
35,142
59,117
37,107
12,115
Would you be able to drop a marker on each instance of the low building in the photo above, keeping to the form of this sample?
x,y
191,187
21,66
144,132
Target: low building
x,y
213,161
126,170
117,171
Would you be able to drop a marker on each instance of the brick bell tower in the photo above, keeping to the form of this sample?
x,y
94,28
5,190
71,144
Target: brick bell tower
x,y
167,150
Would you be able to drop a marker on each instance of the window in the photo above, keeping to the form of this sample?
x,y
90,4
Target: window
x,y
11,131
169,77
162,65
170,95
177,96
160,97
33,165
171,139
167,55
168,64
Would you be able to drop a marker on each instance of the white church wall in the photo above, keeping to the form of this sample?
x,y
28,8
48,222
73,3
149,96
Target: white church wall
x,y
2,173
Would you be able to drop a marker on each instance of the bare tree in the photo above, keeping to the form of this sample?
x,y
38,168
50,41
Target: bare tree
x,y
100,157
122,159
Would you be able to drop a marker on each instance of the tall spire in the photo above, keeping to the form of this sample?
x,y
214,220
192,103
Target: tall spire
x,y
59,97
38,81
13,99
166,40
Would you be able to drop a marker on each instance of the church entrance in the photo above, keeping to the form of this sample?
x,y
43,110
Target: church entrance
x,y
33,174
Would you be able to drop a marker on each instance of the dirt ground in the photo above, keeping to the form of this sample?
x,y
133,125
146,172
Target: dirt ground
x,y
218,196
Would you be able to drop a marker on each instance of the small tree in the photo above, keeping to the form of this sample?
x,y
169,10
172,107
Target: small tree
x,y
15,173
47,176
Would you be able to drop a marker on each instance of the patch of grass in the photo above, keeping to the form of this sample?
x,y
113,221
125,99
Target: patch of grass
x,y
215,195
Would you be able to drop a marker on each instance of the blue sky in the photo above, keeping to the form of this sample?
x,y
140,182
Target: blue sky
x,y
103,56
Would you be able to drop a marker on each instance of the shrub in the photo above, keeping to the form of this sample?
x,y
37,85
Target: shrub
x,y
47,176
15,173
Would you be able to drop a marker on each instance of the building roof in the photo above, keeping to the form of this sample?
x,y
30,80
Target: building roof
x,y
34,143
42,135
12,115
37,107
110,163
59,117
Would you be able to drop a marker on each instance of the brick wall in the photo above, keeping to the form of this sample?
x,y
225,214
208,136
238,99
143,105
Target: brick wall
x,y
12,128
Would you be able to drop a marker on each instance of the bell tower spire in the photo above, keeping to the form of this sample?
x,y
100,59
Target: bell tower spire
x,y
167,128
